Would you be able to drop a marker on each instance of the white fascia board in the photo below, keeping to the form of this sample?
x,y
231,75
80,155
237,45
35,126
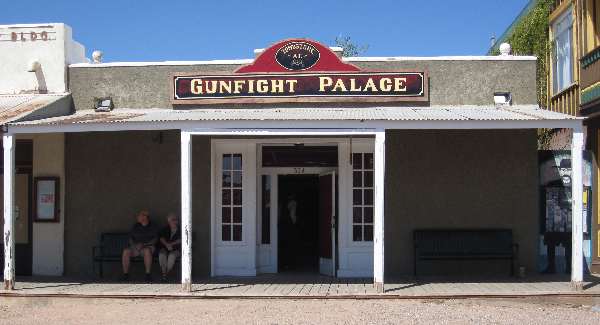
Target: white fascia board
x,y
295,125
281,132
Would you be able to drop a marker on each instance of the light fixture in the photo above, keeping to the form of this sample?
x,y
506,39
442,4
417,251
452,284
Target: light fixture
x,y
104,104
97,56
502,98
34,65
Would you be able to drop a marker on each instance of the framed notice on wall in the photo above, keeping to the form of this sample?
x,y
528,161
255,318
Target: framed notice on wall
x,y
47,199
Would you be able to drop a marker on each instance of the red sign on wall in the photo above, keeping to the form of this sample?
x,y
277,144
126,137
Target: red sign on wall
x,y
299,71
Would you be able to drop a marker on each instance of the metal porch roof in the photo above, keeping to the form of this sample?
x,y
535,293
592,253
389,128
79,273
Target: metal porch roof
x,y
429,113
22,107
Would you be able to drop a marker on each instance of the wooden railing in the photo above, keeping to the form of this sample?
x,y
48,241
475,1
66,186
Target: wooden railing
x,y
566,101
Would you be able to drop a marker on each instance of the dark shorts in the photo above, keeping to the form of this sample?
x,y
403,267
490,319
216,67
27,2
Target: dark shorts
x,y
137,252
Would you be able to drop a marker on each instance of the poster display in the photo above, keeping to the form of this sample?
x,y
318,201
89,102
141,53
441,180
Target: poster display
x,y
46,199
555,213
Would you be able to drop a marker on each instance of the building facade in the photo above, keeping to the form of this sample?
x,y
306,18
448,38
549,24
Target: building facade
x,y
574,81
299,160
34,84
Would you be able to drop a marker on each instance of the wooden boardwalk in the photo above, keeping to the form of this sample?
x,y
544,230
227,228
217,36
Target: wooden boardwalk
x,y
311,286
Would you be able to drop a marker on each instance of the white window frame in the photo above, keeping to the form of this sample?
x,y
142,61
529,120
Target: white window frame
x,y
357,146
231,204
562,41
236,258
362,188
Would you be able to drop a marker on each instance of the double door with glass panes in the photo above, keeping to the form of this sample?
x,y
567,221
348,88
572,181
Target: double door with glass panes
x,y
250,206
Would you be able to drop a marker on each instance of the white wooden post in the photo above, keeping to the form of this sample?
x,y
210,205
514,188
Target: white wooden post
x,y
577,208
186,211
8,143
378,240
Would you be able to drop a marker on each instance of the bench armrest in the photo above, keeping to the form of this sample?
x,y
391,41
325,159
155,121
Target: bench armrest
x,y
515,250
97,251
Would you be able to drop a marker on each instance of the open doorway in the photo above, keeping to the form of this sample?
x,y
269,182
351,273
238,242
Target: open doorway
x,y
298,244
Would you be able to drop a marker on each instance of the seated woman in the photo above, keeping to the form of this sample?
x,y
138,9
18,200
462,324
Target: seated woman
x,y
169,245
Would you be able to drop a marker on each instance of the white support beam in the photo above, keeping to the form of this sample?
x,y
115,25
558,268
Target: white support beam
x,y
8,143
283,132
186,211
577,208
378,240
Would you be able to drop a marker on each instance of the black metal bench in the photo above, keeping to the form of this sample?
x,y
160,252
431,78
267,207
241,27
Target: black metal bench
x,y
111,250
464,244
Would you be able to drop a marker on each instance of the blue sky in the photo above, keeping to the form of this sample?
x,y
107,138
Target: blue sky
x,y
202,30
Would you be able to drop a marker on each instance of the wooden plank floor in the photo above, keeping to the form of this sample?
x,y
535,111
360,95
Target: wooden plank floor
x,y
305,286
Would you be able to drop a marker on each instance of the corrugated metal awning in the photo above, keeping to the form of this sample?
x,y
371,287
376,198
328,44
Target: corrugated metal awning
x,y
429,113
26,107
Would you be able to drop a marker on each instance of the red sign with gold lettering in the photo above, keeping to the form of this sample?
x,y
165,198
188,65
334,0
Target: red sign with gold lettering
x,y
299,70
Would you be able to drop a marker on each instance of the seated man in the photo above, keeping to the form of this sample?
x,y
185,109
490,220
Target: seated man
x,y
142,241
170,245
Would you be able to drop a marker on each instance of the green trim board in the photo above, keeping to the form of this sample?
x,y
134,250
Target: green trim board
x,y
590,93
590,58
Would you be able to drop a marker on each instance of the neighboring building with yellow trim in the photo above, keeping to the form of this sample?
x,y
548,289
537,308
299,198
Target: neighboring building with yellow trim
x,y
587,20
573,81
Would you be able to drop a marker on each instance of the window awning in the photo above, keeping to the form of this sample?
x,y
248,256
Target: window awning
x,y
28,107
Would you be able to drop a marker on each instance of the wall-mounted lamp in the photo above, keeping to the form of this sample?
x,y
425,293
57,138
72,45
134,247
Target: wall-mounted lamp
x,y
104,104
502,98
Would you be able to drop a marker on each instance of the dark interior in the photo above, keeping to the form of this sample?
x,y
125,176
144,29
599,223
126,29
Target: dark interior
x,y
298,243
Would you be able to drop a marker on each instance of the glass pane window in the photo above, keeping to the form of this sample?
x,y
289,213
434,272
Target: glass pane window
x,y
231,199
562,65
362,196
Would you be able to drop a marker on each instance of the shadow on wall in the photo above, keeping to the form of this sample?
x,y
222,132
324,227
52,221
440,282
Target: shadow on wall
x,y
112,175
457,179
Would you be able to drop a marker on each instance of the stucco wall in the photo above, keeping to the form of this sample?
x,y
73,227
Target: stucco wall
x,y
460,179
452,82
54,54
111,175
48,243
47,237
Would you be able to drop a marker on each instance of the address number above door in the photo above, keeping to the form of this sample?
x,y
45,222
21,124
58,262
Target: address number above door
x,y
299,70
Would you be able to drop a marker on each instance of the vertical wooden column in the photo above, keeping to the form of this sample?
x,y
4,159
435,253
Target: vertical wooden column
x,y
186,211
378,240
577,208
8,142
